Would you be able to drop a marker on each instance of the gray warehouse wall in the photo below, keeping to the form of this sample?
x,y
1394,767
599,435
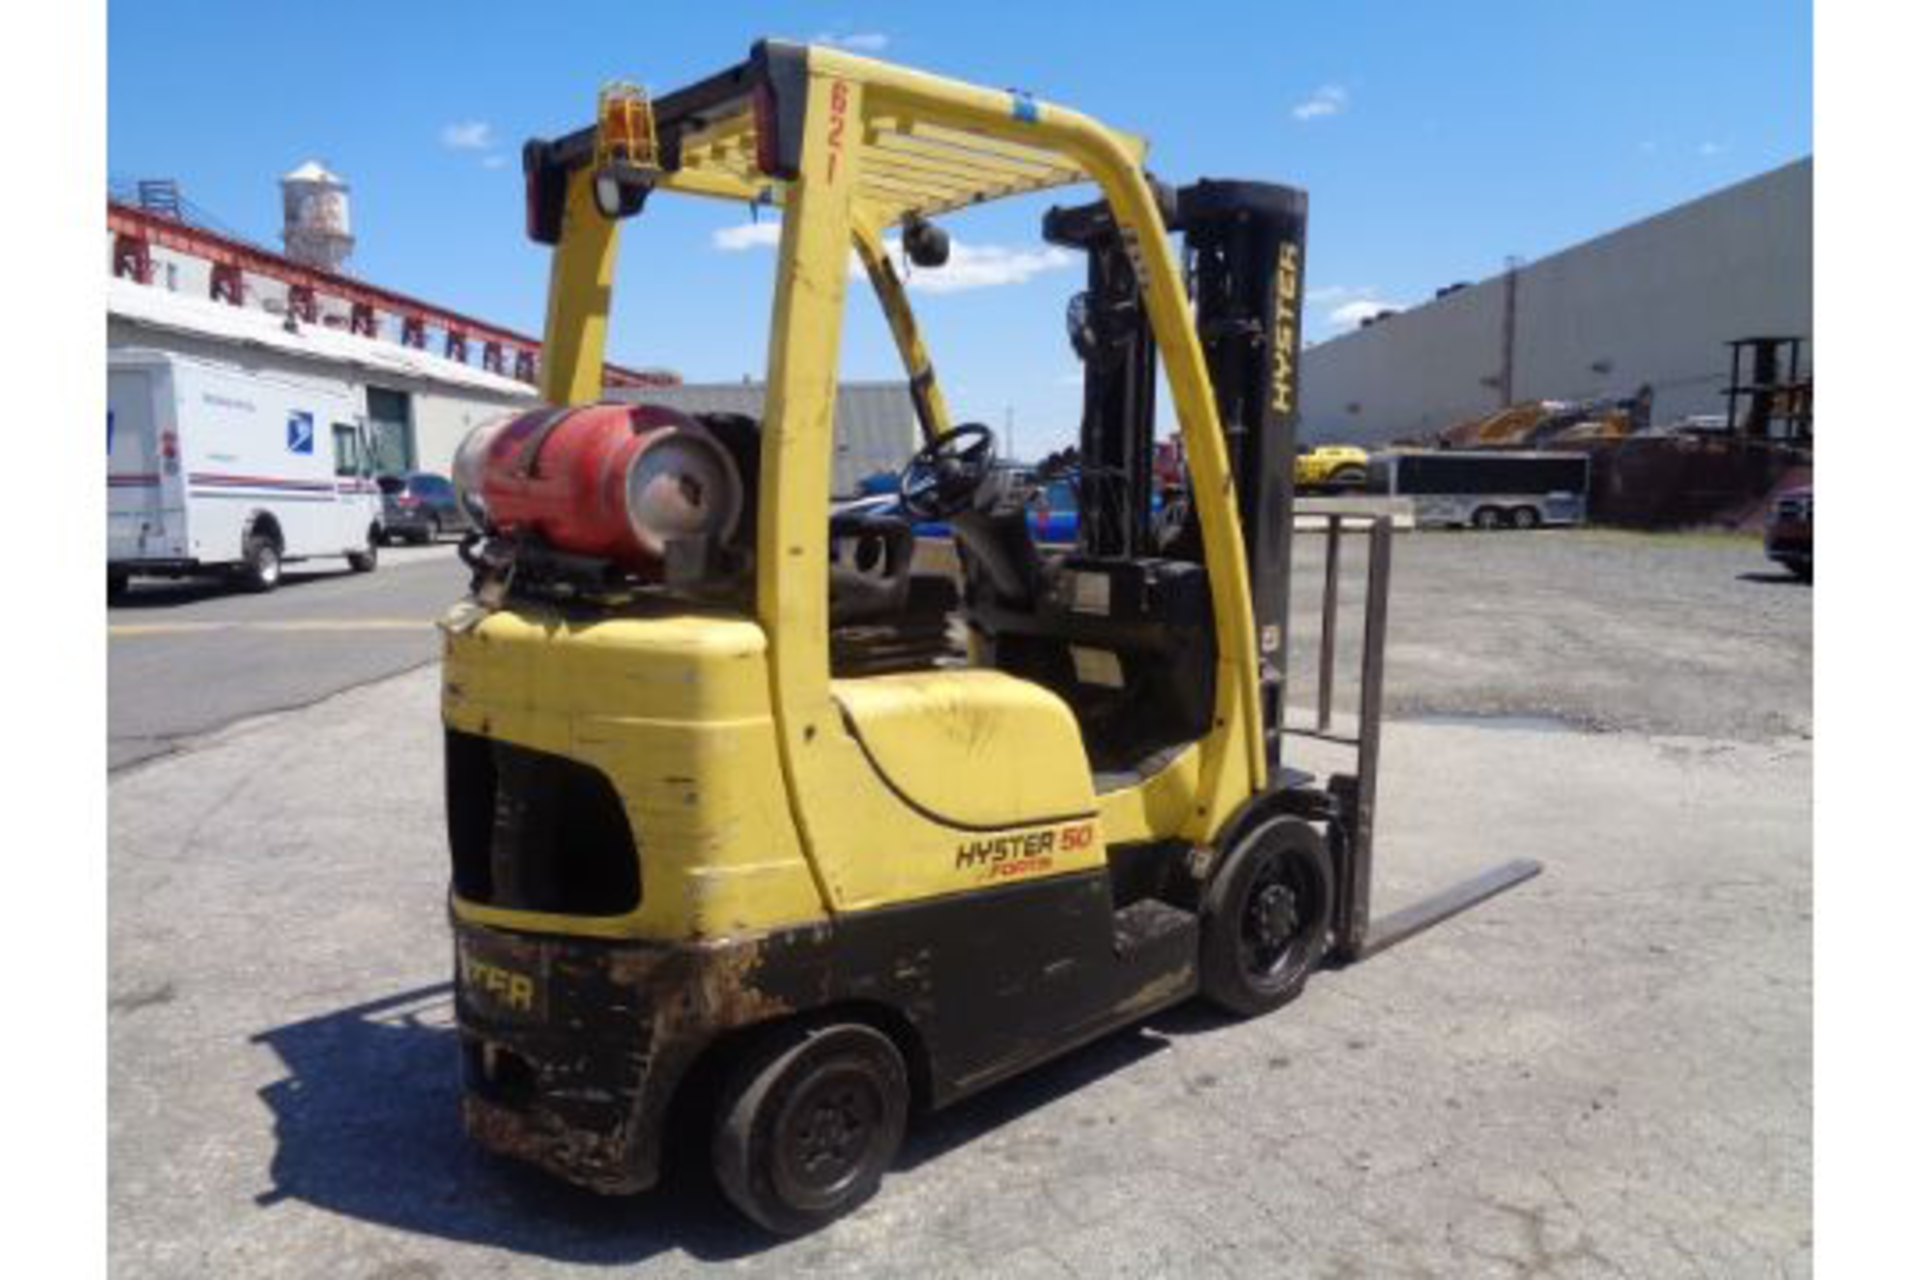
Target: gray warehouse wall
x,y
1652,303
874,428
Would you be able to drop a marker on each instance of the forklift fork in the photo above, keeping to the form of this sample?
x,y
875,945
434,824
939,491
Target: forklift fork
x,y
1357,934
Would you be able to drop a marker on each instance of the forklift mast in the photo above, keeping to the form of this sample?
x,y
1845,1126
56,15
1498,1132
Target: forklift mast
x,y
1246,245
1245,256
1109,329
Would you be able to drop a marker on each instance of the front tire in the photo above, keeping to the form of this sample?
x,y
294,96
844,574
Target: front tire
x,y
809,1122
1487,518
1525,518
369,560
260,564
1267,919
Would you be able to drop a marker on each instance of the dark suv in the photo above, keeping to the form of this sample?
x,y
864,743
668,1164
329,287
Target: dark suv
x,y
419,507
1790,532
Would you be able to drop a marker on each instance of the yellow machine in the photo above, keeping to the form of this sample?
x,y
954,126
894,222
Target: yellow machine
x,y
743,838
1330,466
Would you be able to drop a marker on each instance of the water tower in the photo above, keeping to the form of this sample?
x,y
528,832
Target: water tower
x,y
314,203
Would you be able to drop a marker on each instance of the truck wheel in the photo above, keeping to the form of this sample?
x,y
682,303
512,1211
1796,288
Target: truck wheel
x,y
369,560
1486,518
1267,918
1524,518
260,563
808,1123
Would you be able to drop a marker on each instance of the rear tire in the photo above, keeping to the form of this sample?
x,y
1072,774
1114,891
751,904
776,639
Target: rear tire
x,y
808,1123
1267,918
1487,518
369,560
260,563
1524,518
1348,478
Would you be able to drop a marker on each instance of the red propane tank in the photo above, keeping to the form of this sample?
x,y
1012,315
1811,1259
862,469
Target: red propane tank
x,y
613,480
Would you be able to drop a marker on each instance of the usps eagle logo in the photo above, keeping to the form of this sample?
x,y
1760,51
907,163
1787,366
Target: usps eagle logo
x,y
299,433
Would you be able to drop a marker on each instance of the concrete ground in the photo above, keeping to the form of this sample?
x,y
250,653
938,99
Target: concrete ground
x,y
1606,1072
192,656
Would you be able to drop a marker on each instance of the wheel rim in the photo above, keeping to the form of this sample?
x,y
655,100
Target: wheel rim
x,y
826,1137
268,564
1281,904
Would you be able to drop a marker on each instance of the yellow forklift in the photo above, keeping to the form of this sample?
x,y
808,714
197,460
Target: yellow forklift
x,y
761,835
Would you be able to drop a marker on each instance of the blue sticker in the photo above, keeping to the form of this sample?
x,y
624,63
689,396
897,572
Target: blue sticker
x,y
299,432
1025,109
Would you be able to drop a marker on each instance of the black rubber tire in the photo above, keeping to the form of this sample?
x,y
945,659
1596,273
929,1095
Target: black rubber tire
x,y
117,584
1524,518
433,528
801,1087
260,563
369,560
1348,478
1240,970
1487,518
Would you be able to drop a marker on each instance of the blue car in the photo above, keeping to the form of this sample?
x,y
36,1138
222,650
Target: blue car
x,y
1053,513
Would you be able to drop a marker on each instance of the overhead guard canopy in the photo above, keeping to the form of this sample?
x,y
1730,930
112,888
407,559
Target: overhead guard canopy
x,y
912,163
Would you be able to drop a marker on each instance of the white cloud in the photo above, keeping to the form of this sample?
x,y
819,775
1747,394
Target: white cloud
x,y
1351,314
969,266
494,161
1327,100
750,235
467,135
981,266
1339,293
855,41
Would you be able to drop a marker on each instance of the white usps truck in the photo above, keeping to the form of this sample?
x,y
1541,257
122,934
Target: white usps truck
x,y
213,468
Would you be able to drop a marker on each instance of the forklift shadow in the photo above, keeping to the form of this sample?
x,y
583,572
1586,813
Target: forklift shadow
x,y
367,1125
936,1135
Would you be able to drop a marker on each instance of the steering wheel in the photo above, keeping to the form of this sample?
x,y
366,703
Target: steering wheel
x,y
942,478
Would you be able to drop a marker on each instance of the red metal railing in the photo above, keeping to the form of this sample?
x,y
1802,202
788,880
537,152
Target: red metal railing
x,y
137,232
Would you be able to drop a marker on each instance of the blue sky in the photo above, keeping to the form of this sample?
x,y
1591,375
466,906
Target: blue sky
x,y
1435,140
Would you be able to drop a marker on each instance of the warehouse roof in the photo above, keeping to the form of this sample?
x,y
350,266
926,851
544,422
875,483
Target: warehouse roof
x,y
157,308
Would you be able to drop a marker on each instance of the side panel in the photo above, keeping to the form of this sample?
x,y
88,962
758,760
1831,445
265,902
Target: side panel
x,y
259,446
870,844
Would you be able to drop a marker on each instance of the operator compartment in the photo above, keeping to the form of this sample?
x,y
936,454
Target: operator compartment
x,y
1127,644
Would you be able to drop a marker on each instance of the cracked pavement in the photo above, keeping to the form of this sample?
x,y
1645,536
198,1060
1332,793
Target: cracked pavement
x,y
1606,1072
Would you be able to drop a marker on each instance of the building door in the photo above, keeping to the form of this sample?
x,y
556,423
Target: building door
x,y
390,422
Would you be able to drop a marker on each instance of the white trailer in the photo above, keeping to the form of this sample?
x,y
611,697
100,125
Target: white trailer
x,y
214,468
1485,488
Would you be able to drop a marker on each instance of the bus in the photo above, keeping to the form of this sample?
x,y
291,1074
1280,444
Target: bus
x,y
1485,488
